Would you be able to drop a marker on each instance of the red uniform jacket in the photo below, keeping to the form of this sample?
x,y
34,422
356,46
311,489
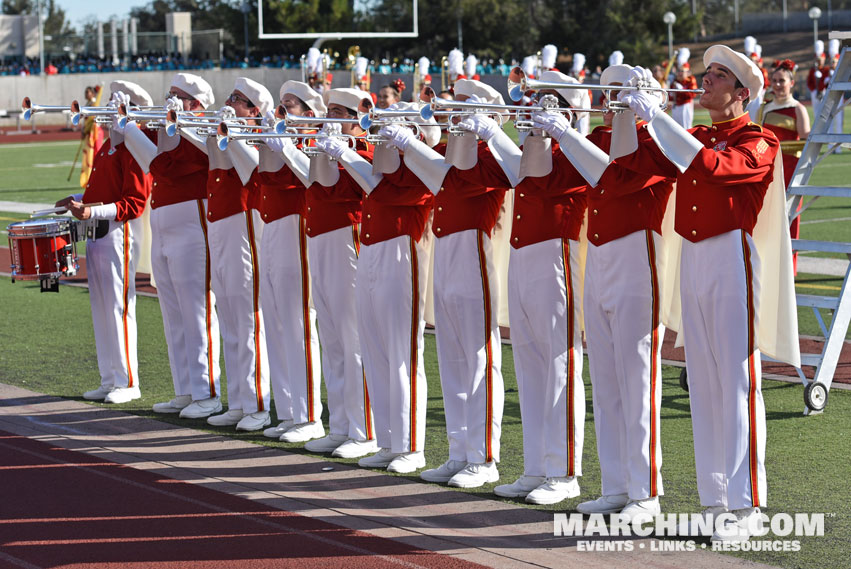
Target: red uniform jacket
x,y
549,207
330,208
180,175
399,205
723,188
117,178
226,195
281,194
633,204
470,199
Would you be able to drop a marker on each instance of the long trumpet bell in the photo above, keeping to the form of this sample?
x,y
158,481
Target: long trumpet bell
x,y
286,119
206,123
102,115
381,117
28,109
446,107
519,83
154,115
253,135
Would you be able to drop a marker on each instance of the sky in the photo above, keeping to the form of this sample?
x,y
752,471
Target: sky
x,y
78,10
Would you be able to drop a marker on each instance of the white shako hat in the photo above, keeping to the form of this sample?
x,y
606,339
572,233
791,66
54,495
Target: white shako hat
x,y
256,93
348,97
138,96
470,65
486,93
818,47
548,56
739,64
195,86
616,58
833,48
305,94
424,64
750,45
572,96
683,56
578,63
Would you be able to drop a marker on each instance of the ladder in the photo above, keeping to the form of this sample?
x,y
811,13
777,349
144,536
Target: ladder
x,y
819,145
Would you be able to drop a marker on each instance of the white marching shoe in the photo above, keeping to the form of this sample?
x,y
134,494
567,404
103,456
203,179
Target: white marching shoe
x,y
173,406
381,459
648,509
276,432
227,419
610,504
123,395
98,394
554,490
475,475
202,408
747,522
353,448
328,443
520,488
444,472
407,462
303,432
254,421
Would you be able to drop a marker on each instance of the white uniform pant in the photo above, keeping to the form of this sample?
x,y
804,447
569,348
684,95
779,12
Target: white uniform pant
x,y
684,114
720,299
547,344
290,321
111,268
624,333
333,265
236,282
391,285
469,353
180,260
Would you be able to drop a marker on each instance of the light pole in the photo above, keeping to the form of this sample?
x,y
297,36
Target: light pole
x,y
246,8
815,14
40,38
670,18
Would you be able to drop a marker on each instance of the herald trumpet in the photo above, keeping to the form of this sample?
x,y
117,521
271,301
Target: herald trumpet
x,y
447,107
253,135
519,83
28,109
382,117
102,115
205,121
286,119
155,117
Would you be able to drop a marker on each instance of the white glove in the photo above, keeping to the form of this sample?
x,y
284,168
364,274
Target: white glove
x,y
332,146
119,98
332,128
482,126
475,99
227,112
398,136
554,124
173,104
277,144
642,103
818,74
269,119
640,77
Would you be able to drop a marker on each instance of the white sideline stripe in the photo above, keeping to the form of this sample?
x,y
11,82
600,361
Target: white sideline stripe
x,y
42,144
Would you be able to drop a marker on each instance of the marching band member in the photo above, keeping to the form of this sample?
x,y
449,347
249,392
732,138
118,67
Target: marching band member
x,y
233,237
120,188
683,111
334,203
289,318
180,253
724,174
469,188
390,94
815,76
391,290
544,292
623,311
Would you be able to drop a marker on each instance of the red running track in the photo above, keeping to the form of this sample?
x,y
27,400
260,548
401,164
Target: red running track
x,y
60,508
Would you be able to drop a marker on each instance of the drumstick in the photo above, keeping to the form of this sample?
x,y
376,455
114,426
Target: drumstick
x,y
61,209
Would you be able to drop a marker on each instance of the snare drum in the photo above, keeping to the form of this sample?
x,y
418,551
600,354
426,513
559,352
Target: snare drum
x,y
43,248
